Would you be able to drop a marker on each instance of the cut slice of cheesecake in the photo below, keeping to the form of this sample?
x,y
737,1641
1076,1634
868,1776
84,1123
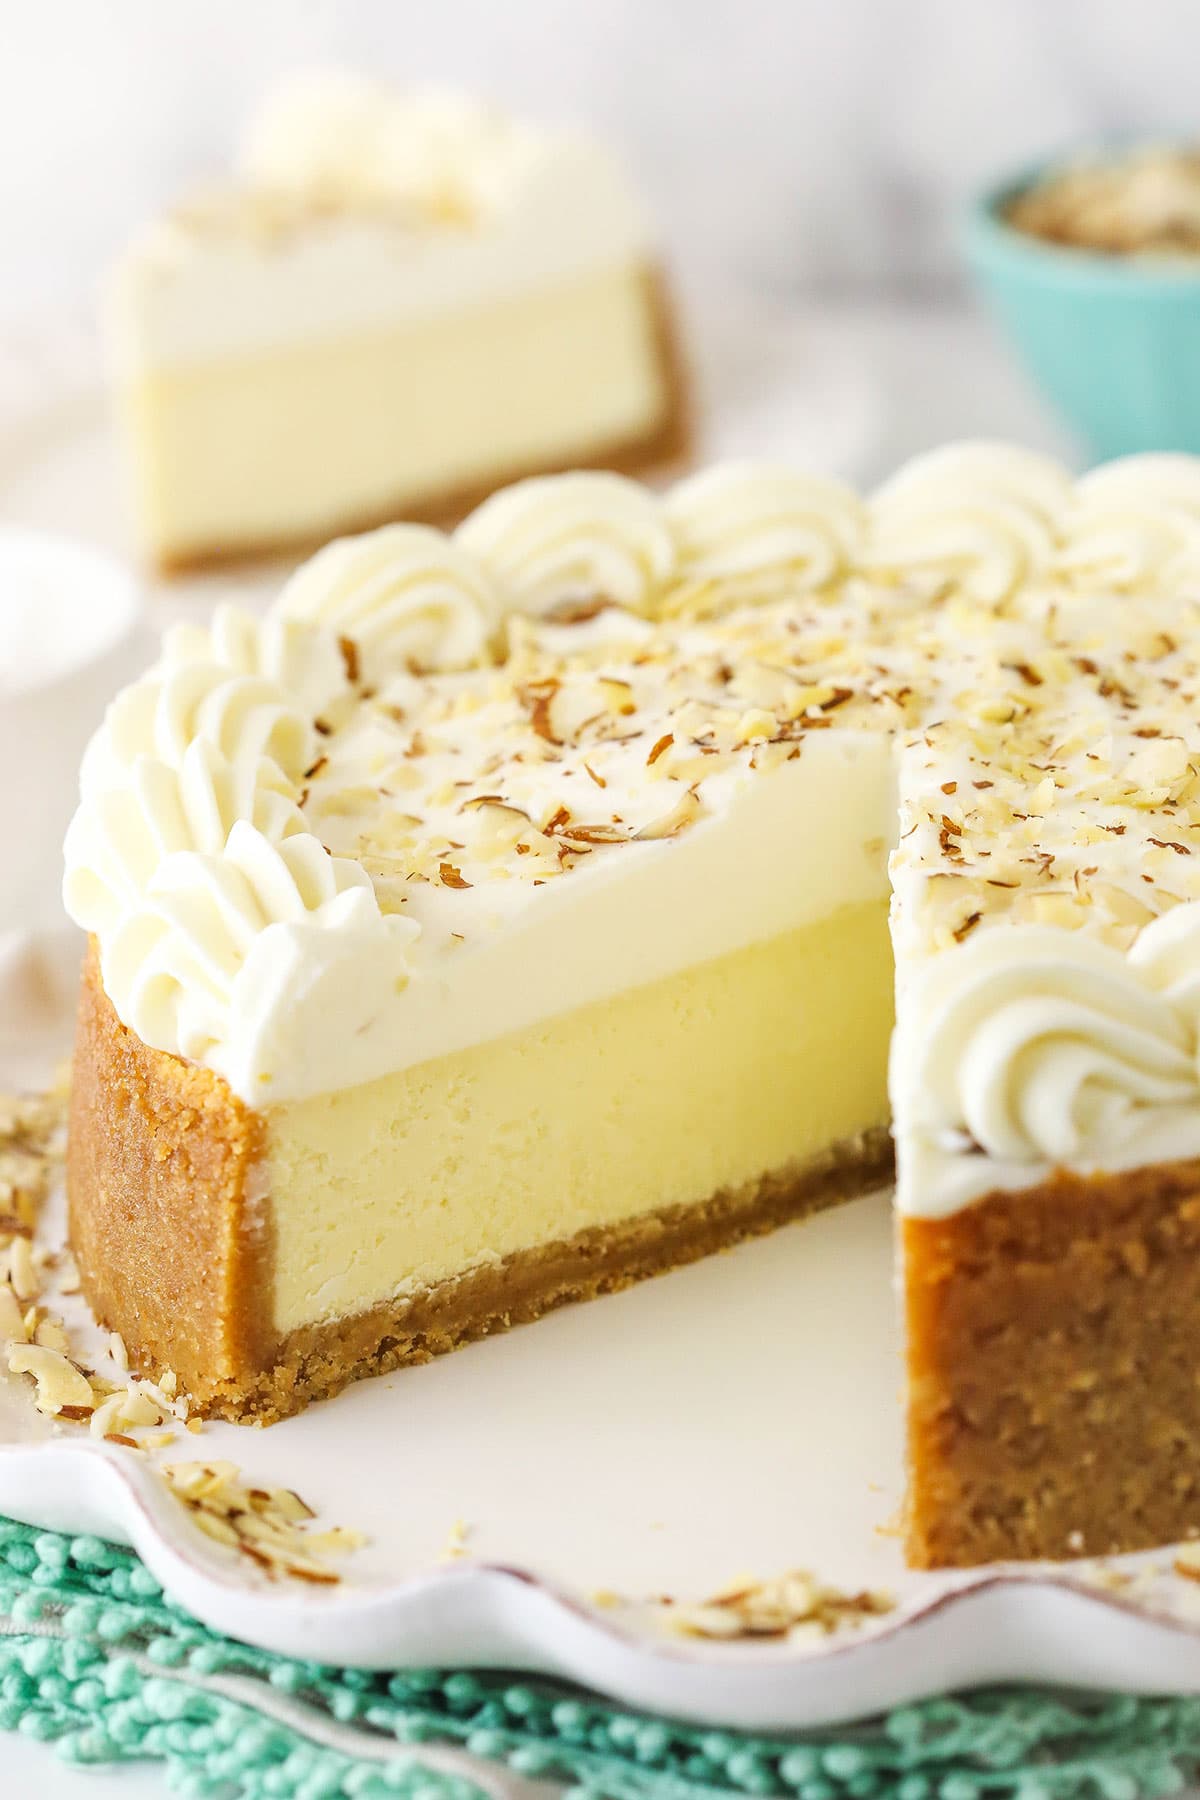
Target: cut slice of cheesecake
x,y
455,1093
513,914
269,1256
399,304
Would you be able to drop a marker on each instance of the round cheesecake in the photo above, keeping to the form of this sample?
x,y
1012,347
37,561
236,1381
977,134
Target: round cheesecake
x,y
514,913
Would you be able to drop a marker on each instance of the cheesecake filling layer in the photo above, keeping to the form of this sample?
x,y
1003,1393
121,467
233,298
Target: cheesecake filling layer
x,y
435,403
657,1098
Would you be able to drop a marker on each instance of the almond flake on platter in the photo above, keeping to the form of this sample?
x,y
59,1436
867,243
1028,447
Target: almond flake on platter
x,y
792,1606
12,1321
22,1275
60,1385
266,1525
455,1546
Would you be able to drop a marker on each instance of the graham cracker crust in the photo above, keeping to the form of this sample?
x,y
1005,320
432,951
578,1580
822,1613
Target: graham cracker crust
x,y
172,1250
1053,1385
666,450
174,1245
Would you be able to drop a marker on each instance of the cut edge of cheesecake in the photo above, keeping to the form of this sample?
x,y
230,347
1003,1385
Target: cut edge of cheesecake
x,y
1052,1406
1050,1344
173,1237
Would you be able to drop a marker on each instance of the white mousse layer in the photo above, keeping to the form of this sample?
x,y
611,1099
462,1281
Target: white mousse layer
x,y
359,210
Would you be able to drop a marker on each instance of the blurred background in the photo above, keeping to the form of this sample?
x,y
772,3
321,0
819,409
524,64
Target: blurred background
x,y
799,155
811,147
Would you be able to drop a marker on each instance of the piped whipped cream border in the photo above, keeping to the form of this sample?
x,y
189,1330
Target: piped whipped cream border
x,y
1030,1048
228,932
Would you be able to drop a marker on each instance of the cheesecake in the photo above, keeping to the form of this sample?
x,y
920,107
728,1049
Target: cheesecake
x,y
397,303
511,914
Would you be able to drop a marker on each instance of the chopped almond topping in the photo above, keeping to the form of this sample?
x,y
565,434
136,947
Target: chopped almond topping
x,y
595,834
618,696
538,698
685,811
349,650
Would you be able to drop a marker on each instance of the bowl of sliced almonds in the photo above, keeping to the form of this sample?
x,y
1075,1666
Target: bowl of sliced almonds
x,y
1091,263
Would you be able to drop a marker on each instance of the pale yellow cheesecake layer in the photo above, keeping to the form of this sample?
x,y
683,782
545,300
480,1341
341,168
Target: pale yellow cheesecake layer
x,y
655,1098
302,440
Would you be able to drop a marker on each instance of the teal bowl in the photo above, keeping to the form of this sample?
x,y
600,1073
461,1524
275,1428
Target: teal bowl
x,y
1113,343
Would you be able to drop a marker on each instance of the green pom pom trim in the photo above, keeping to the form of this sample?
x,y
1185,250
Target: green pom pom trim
x,y
96,1660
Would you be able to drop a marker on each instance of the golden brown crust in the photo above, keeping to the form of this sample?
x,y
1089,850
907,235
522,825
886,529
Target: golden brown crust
x,y
173,1250
1053,1397
159,1158
667,449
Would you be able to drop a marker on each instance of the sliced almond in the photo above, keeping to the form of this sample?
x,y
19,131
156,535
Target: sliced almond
x,y
51,1334
107,1416
214,1526
59,1382
21,1271
685,811
12,1324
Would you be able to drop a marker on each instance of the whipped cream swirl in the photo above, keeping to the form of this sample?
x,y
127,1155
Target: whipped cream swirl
x,y
1135,524
766,529
405,594
150,811
223,923
578,537
984,517
247,718
204,938
1167,956
347,138
306,664
1040,1045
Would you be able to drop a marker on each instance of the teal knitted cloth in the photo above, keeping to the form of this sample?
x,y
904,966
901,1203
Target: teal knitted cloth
x,y
95,1658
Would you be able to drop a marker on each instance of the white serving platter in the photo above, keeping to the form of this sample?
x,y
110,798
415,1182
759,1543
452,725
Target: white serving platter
x,y
737,1417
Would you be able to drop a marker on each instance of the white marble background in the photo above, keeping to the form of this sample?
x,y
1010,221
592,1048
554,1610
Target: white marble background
x,y
807,145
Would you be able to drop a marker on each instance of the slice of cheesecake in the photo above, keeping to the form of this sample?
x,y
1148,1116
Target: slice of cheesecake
x,y
448,965
399,303
506,917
